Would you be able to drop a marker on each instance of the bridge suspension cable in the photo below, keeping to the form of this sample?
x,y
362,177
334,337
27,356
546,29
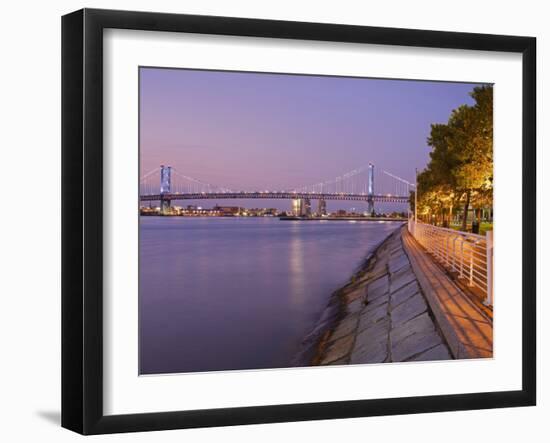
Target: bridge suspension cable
x,y
357,182
365,182
207,187
338,184
151,172
177,183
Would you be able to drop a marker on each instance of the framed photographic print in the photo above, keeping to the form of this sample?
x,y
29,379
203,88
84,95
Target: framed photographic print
x,y
269,221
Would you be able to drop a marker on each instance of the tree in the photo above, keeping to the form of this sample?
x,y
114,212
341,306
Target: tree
x,y
460,169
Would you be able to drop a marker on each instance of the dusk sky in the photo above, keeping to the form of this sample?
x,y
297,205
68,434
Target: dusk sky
x,y
250,131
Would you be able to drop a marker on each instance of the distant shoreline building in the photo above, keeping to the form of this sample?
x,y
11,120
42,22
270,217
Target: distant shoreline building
x,y
301,207
321,207
228,210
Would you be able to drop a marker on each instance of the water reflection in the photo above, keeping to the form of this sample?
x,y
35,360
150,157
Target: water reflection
x,y
296,269
220,294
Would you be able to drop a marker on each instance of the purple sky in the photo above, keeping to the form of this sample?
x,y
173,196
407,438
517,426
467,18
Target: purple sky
x,y
249,131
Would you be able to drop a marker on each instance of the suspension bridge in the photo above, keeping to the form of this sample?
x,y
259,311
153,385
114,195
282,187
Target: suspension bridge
x,y
368,184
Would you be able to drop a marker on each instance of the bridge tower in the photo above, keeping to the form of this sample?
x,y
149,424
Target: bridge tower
x,y
370,190
165,188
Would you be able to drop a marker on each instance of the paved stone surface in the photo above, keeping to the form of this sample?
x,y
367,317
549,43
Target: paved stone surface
x,y
404,294
373,316
370,305
355,306
395,249
347,326
376,353
401,280
411,308
338,349
386,316
376,272
358,291
440,352
375,269
378,286
376,333
414,344
422,324
405,270
396,263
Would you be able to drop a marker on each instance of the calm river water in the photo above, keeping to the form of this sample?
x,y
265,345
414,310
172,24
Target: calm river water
x,y
240,293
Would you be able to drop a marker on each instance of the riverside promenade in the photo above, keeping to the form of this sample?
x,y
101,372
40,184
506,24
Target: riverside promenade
x,y
403,307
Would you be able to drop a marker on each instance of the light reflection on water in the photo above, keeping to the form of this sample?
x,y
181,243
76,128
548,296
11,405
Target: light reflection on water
x,y
238,293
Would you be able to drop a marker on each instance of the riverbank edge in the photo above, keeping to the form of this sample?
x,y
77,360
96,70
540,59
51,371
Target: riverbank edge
x,y
313,344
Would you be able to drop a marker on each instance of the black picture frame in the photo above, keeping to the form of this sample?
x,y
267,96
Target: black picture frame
x,y
82,218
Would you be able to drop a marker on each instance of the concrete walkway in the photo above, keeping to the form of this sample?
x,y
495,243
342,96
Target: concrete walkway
x,y
466,326
405,307
386,316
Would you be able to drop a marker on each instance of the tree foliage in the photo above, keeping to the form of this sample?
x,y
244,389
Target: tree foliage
x,y
460,170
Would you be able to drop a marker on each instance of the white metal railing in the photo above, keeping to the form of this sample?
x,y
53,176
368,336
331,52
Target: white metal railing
x,y
469,255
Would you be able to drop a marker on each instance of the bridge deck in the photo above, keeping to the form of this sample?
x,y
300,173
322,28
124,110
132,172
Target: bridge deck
x,y
388,198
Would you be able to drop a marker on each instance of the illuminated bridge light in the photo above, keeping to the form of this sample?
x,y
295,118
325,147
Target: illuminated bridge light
x,y
171,178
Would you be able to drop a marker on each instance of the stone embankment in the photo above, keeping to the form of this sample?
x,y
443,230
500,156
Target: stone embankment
x,y
383,315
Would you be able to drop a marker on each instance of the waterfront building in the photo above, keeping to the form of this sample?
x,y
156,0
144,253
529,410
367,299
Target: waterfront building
x,y
301,207
228,210
144,210
296,207
321,207
306,208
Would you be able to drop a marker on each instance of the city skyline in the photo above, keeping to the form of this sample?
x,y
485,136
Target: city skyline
x,y
265,131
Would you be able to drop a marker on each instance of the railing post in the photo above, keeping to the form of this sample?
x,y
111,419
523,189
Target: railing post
x,y
454,253
412,227
471,279
447,250
462,258
489,253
